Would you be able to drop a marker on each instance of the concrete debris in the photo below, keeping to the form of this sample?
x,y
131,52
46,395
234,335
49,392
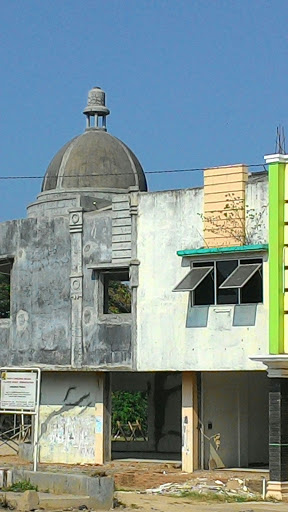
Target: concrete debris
x,y
234,486
26,501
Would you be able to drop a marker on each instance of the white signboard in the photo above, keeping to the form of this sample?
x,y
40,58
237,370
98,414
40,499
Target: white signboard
x,y
18,390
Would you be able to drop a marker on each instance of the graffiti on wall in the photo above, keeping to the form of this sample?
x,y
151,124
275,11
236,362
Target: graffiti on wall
x,y
73,433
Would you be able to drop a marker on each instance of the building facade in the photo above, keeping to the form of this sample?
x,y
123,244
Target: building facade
x,y
114,288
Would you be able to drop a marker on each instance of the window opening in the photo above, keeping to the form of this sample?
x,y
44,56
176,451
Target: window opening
x,y
223,270
5,276
204,294
224,282
117,293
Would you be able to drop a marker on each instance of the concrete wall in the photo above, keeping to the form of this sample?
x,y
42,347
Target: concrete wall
x,y
69,421
257,208
38,330
106,339
56,317
236,406
167,222
99,489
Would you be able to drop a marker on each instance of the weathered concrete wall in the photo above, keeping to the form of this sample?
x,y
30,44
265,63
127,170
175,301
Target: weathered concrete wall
x,y
257,208
52,324
38,329
106,338
167,222
69,421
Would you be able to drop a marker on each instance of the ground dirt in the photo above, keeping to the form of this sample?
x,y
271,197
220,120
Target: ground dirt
x,y
134,477
146,502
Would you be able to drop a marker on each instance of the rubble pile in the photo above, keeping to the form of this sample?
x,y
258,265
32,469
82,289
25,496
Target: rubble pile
x,y
233,487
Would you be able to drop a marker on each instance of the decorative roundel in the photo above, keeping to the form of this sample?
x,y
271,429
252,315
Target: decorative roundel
x,y
76,284
75,218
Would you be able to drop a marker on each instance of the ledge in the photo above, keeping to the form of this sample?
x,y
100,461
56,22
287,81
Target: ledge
x,y
223,250
113,266
277,364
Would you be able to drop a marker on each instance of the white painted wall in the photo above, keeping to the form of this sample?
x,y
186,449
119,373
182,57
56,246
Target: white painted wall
x,y
257,208
167,222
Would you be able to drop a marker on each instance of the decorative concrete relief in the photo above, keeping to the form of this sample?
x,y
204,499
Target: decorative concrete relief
x,y
121,218
133,201
88,315
76,220
76,287
22,320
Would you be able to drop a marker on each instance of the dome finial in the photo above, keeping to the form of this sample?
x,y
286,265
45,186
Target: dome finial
x,y
96,108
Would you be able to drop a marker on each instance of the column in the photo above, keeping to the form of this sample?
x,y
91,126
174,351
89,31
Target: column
x,y
278,308
189,422
103,418
76,285
278,438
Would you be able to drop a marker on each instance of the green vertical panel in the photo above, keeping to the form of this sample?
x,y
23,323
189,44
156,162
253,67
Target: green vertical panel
x,y
276,244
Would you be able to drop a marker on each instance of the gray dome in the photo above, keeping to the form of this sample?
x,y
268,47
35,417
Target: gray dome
x,y
94,159
97,160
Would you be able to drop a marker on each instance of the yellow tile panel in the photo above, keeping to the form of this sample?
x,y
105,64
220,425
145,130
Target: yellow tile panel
x,y
212,195
286,333
286,185
286,303
228,169
224,186
237,187
286,235
286,279
286,212
286,256
222,178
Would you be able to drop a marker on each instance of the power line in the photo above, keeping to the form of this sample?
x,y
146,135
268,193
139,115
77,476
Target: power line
x,y
165,171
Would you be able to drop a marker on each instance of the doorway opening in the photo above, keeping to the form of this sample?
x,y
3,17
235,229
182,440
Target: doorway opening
x,y
146,415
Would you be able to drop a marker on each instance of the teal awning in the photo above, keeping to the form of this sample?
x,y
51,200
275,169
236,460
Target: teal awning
x,y
223,250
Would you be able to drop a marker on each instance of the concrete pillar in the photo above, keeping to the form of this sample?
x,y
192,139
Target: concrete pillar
x,y
189,422
76,285
103,419
278,438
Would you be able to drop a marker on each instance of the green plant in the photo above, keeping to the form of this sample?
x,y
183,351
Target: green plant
x,y
21,486
129,406
119,297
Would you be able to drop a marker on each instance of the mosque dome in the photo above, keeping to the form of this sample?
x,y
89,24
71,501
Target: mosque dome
x,y
95,159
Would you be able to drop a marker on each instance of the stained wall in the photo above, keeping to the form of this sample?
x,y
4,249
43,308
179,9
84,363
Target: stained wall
x,y
168,222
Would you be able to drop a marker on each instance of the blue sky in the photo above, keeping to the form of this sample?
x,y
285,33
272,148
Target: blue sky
x,y
189,83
